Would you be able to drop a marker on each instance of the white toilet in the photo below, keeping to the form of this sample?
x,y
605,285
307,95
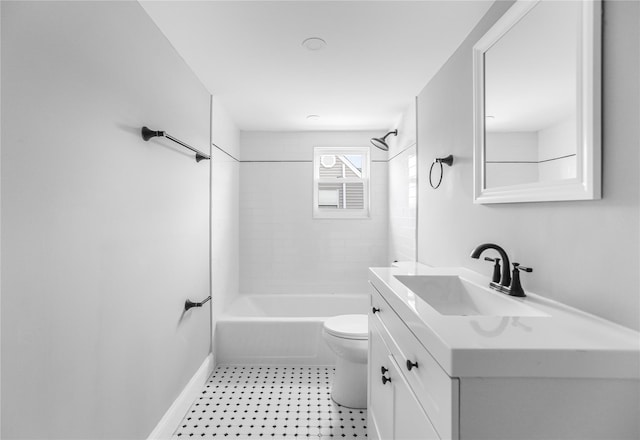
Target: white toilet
x,y
348,338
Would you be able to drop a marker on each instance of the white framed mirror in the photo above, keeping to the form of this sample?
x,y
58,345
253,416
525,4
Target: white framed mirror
x,y
537,104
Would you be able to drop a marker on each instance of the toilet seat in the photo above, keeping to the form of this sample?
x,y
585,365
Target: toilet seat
x,y
348,326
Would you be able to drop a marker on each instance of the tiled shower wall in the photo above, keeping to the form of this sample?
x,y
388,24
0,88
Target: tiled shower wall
x,y
225,229
282,248
403,189
402,206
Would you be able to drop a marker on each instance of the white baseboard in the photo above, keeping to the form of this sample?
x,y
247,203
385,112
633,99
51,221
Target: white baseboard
x,y
172,418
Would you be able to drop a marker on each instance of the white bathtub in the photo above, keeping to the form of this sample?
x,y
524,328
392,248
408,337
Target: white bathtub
x,y
280,329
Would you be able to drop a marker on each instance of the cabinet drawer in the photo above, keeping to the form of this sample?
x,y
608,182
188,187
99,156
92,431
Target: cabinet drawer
x,y
394,410
436,391
380,406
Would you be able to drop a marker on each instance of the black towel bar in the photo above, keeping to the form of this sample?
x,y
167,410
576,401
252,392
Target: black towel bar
x,y
189,304
147,134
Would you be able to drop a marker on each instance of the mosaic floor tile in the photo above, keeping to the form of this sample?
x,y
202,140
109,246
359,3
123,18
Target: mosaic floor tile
x,y
273,403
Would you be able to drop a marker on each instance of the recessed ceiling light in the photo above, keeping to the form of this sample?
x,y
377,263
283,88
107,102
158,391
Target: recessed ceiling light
x,y
314,43
313,117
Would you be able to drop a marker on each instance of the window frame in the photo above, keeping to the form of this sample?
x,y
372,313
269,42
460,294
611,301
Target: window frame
x,y
363,213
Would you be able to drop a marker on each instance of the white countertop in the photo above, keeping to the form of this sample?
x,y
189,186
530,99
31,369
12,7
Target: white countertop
x,y
565,343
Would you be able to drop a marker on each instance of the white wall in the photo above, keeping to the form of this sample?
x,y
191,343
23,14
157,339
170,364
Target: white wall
x,y
585,253
515,158
403,189
0,220
558,139
224,132
515,146
282,248
104,236
555,142
512,158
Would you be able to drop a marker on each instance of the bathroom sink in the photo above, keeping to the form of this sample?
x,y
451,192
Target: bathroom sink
x,y
452,295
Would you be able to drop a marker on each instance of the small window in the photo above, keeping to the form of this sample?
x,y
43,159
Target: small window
x,y
341,182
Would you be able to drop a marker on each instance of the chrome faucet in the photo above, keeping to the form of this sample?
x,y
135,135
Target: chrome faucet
x,y
510,286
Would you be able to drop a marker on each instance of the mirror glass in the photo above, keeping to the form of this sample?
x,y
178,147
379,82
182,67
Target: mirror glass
x,y
531,131
535,126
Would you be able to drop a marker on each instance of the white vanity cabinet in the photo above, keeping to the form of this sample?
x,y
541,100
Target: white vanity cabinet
x,y
409,394
380,405
493,388
396,413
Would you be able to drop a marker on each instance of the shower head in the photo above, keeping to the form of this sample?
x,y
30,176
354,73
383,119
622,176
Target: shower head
x,y
382,142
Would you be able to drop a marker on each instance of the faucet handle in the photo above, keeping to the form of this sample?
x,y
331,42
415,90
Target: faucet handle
x,y
496,269
515,289
517,266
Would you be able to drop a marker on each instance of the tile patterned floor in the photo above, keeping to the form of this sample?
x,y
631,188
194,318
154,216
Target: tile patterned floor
x,y
271,402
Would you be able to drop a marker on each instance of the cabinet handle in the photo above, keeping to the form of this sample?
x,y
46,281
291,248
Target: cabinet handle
x,y
375,310
385,380
411,365
383,370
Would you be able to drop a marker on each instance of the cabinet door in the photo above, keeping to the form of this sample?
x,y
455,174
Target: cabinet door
x,y
410,422
380,410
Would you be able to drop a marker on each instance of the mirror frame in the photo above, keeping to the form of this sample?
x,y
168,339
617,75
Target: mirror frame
x,y
587,184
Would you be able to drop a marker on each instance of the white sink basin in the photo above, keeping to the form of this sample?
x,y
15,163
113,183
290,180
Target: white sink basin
x,y
452,295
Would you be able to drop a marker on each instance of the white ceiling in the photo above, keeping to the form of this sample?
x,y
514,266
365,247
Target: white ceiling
x,y
379,55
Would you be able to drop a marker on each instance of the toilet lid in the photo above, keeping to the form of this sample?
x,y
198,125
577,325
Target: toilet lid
x,y
348,326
